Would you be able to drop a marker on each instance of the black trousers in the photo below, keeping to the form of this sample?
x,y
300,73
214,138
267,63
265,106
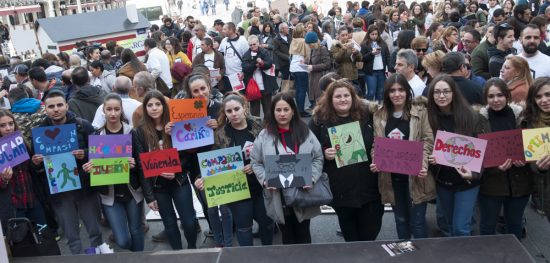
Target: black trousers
x,y
360,224
293,231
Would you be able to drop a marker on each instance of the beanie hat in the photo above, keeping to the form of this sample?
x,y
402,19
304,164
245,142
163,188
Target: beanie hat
x,y
311,37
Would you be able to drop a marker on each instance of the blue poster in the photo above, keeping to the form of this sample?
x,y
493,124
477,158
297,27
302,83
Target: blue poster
x,y
55,139
191,134
62,172
220,161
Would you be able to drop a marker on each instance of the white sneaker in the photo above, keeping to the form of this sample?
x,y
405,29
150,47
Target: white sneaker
x,y
104,249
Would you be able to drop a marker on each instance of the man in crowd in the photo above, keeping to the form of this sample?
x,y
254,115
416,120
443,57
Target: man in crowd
x,y
158,64
470,40
194,46
504,38
87,99
538,62
281,44
480,58
454,64
406,64
233,48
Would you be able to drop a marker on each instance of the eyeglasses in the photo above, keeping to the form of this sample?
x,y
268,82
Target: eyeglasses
x,y
445,93
466,41
421,50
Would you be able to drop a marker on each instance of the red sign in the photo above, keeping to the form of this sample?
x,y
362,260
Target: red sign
x,y
158,162
502,145
398,156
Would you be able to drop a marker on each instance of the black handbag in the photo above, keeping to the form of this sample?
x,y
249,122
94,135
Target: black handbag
x,y
26,241
318,195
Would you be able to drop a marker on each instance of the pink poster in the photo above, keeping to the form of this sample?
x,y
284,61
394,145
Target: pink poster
x,y
457,150
398,156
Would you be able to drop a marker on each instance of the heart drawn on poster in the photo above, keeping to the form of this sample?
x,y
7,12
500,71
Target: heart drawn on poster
x,y
187,126
52,133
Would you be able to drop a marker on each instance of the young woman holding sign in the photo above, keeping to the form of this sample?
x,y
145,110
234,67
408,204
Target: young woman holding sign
x,y
537,115
239,128
168,189
510,184
456,188
122,203
403,118
356,199
286,134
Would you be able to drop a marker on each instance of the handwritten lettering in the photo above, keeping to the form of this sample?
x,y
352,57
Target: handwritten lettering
x,y
458,150
227,188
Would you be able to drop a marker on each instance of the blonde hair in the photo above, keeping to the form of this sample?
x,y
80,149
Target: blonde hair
x,y
299,31
522,68
433,60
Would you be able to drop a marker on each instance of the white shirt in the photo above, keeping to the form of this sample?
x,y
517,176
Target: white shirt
x,y
417,86
129,105
538,64
232,62
159,66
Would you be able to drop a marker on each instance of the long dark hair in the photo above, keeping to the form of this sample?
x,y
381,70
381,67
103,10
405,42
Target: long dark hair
x,y
532,111
232,96
128,56
367,42
402,81
464,117
114,96
176,46
501,85
298,128
15,125
148,124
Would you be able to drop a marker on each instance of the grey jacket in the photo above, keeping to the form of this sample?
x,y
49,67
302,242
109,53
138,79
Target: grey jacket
x,y
263,145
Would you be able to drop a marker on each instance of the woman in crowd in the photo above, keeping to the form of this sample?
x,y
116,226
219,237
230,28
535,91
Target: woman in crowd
x,y
93,54
516,73
175,54
328,32
447,41
537,115
267,36
318,63
314,27
159,37
286,134
473,9
345,54
394,25
457,188
419,19
168,190
130,67
356,199
258,65
434,31
508,8
376,56
432,63
254,28
403,118
510,184
122,203
298,52
239,128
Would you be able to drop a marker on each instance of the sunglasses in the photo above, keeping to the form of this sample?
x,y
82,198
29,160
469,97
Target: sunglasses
x,y
421,50
504,25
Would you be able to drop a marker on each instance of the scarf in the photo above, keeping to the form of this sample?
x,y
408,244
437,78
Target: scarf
x,y
543,120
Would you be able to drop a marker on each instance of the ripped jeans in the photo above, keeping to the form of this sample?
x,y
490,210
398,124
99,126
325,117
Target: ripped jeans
x,y
244,212
410,219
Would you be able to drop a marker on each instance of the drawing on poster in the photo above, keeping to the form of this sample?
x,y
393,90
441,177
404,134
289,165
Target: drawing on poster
x,y
55,139
347,139
191,134
536,143
61,172
219,161
283,171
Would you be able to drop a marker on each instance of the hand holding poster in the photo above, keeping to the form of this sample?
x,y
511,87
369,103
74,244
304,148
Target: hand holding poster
x,y
55,139
158,162
226,188
501,146
13,150
110,146
191,134
347,139
220,161
457,150
61,172
283,171
109,171
398,156
536,143
187,109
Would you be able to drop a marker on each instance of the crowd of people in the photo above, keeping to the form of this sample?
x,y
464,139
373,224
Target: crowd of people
x,y
402,72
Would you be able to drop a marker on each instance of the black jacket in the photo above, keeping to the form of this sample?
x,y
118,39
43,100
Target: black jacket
x,y
249,66
471,91
368,57
496,59
281,57
85,102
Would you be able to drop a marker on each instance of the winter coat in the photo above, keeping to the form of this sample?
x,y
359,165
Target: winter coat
x,y
420,189
249,66
496,59
107,80
128,71
368,57
86,101
516,181
281,56
480,60
263,145
343,57
320,62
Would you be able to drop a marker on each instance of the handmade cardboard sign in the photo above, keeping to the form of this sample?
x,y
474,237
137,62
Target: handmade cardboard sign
x,y
191,134
187,109
110,146
536,143
457,150
109,171
226,188
501,146
283,171
398,156
220,161
61,172
55,139
162,161
347,139
13,150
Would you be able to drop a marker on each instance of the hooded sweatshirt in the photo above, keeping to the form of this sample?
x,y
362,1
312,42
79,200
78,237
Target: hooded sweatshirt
x,y
85,102
496,59
27,105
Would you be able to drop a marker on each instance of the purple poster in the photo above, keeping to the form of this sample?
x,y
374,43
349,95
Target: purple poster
x,y
13,150
191,134
398,156
110,146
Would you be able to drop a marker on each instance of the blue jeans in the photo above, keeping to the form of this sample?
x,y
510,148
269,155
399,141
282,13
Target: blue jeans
x,y
301,81
222,228
458,208
123,217
410,219
35,214
243,212
375,85
182,198
489,207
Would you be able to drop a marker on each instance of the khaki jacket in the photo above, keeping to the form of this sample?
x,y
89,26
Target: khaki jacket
x,y
421,189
